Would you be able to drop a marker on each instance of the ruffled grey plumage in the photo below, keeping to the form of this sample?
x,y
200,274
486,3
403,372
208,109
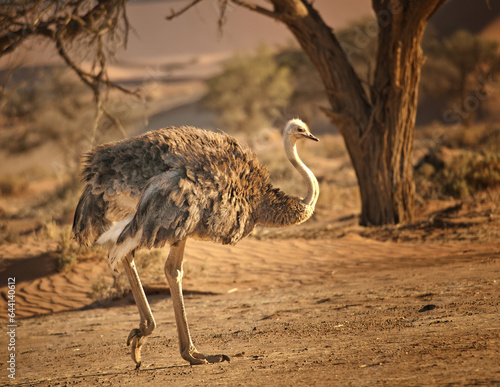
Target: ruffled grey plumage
x,y
179,182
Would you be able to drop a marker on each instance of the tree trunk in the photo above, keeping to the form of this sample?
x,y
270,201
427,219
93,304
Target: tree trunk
x,y
378,125
383,154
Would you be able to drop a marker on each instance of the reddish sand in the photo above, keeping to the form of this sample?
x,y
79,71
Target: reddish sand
x,y
346,311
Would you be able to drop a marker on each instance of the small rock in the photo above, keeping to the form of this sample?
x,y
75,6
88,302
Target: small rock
x,y
428,307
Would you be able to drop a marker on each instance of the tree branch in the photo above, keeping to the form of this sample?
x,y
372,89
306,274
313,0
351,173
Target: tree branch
x,y
343,87
258,9
174,13
399,20
96,25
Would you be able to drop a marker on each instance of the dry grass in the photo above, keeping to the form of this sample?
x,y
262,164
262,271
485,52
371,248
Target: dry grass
x,y
56,204
49,230
8,235
459,162
470,173
480,137
11,185
67,249
104,290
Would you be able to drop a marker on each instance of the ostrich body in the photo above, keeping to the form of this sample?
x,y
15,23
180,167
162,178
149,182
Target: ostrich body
x,y
172,184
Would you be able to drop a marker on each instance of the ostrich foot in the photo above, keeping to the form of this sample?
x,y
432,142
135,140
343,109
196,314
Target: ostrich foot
x,y
137,339
194,357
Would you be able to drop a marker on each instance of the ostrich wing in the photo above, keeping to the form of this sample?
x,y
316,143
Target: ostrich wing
x,y
166,212
174,207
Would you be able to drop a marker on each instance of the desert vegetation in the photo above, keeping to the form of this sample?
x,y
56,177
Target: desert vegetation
x,y
249,92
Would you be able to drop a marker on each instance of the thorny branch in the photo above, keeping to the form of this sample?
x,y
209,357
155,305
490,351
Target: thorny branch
x,y
258,9
174,13
96,27
223,7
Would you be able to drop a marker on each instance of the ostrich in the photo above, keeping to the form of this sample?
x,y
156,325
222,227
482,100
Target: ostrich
x,y
171,184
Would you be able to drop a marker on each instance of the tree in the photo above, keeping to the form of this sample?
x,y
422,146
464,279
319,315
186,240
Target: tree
x,y
376,120
93,27
51,108
360,45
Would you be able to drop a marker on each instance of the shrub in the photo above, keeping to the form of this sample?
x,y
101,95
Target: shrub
x,y
12,185
461,177
104,291
249,91
459,71
67,251
470,173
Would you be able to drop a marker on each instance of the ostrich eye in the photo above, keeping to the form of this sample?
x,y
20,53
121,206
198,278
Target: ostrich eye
x,y
300,129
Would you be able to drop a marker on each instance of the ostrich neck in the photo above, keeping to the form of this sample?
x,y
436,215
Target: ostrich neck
x,y
310,179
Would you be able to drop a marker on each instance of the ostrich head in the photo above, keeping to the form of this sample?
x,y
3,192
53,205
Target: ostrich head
x,y
296,129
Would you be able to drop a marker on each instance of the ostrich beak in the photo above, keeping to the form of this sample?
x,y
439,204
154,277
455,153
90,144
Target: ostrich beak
x,y
311,137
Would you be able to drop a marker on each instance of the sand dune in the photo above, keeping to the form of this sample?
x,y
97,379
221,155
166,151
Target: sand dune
x,y
250,265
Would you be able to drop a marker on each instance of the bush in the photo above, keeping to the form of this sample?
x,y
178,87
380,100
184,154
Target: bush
x,y
249,92
478,137
470,173
461,177
12,185
104,291
52,107
459,72
67,250
308,89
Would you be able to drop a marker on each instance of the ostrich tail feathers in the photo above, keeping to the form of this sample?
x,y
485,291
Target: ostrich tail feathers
x,y
111,235
118,250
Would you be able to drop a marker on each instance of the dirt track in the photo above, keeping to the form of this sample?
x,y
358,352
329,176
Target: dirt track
x,y
350,311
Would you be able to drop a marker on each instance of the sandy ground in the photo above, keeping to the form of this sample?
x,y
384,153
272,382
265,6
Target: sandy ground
x,y
337,311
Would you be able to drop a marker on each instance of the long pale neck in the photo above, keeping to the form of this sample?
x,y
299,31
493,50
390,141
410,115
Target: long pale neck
x,y
312,184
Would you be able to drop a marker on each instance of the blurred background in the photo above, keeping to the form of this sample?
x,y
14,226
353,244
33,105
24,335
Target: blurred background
x,y
246,77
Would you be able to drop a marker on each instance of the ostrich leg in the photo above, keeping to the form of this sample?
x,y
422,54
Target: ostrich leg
x,y
173,272
137,337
